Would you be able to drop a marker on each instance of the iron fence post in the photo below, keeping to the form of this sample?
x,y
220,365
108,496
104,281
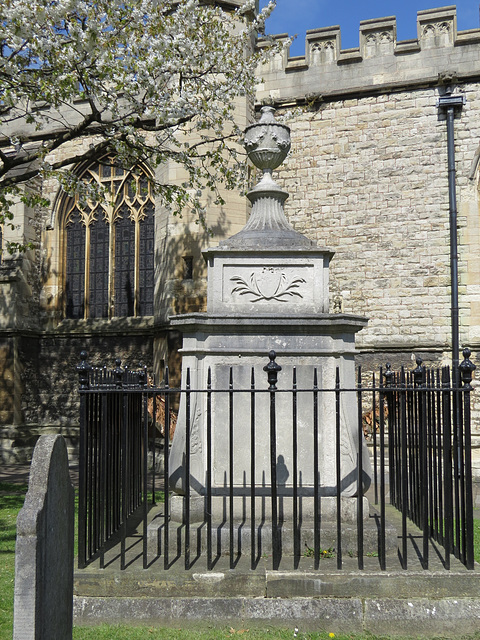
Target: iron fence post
x,y
359,472
338,470
166,472
447,466
403,474
208,471
272,369
252,468
466,371
389,375
187,469
230,467
296,527
83,370
381,402
420,386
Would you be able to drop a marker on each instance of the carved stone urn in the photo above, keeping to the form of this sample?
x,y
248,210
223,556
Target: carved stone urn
x,y
267,142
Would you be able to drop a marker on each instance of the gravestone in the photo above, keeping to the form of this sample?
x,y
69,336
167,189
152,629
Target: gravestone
x,y
43,603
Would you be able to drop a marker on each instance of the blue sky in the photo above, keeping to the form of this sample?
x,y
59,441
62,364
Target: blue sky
x,y
296,16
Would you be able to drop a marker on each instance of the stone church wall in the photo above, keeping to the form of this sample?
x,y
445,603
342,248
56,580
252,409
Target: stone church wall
x,y
367,174
367,177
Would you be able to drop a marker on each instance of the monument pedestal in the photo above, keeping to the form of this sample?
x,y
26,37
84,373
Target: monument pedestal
x,y
220,506
296,539
268,291
312,345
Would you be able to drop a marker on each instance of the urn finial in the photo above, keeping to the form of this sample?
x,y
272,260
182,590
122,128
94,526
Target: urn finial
x,y
267,142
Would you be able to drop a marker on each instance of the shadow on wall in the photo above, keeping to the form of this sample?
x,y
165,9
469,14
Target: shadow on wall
x,y
181,284
6,382
181,271
50,379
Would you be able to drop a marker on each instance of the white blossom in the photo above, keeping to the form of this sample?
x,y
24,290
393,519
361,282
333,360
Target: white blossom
x,y
141,76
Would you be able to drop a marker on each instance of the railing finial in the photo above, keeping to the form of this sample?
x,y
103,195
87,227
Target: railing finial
x,y
83,370
272,369
388,375
118,371
467,368
142,375
418,371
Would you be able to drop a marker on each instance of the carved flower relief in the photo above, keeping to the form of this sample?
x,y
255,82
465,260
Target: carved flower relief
x,y
252,142
269,284
283,142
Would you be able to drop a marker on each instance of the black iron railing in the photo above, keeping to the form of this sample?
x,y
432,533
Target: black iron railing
x,y
421,440
430,457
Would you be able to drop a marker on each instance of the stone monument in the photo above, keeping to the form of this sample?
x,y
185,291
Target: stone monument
x,y
43,604
267,290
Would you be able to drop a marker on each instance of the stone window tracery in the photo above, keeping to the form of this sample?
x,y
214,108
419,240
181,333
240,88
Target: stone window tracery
x,y
109,244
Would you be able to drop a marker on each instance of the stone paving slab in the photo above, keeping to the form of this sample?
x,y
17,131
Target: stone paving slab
x,y
433,602
394,602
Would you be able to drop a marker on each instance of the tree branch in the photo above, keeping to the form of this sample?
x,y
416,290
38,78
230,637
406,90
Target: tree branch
x,y
25,176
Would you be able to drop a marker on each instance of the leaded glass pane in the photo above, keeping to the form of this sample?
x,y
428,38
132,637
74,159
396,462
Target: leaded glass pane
x,y
124,265
134,208
147,247
75,285
99,258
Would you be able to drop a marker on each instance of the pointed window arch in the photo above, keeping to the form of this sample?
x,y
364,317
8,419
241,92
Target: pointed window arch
x,y
109,243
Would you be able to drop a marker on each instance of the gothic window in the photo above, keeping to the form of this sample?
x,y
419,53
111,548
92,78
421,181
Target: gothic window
x,y
109,244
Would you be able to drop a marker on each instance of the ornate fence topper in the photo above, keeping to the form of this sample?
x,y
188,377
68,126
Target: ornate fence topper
x,y
421,437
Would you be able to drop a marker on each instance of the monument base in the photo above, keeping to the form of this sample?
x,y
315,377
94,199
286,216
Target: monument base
x,y
295,540
220,509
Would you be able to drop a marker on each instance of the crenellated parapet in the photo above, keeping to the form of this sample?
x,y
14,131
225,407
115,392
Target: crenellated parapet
x,y
379,60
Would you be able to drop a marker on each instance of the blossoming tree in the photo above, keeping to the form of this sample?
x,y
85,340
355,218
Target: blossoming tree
x,y
148,80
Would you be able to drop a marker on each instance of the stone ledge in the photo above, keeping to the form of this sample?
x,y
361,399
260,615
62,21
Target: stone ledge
x,y
243,582
446,617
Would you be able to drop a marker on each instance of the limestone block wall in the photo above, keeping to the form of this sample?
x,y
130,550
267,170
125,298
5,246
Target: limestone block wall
x,y
368,179
367,174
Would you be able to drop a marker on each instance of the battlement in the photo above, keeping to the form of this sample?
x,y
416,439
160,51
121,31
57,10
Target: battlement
x,y
379,60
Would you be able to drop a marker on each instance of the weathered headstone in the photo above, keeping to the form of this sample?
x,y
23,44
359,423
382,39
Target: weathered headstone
x,y
44,549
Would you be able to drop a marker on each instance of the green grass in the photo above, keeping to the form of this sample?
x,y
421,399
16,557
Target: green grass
x,y
476,540
11,501
143,633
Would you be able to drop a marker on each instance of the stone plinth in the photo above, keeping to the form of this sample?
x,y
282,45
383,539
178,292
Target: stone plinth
x,y
320,342
279,283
